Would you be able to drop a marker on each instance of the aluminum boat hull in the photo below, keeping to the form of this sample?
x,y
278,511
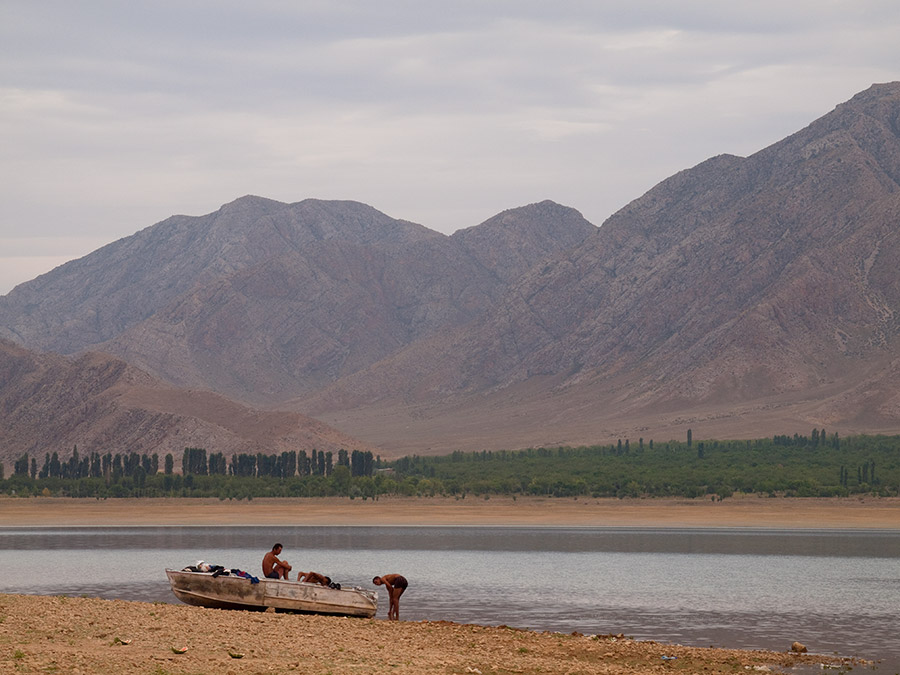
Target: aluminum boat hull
x,y
234,592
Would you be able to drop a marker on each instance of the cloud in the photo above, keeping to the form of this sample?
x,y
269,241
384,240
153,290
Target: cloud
x,y
116,115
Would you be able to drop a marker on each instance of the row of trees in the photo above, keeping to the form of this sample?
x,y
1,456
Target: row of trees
x,y
93,465
289,474
286,465
814,465
815,439
111,467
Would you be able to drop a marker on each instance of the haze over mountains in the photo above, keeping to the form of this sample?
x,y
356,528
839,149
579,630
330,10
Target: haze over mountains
x,y
742,297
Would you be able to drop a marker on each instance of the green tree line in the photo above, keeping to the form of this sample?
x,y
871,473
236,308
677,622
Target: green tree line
x,y
814,465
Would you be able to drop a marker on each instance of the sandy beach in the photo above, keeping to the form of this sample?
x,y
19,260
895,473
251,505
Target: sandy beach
x,y
745,511
87,636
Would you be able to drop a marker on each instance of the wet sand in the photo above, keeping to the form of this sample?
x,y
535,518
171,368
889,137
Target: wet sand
x,y
88,636
745,511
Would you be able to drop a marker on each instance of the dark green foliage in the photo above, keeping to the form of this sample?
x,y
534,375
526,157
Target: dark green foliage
x,y
783,465
193,461
361,463
303,464
20,468
218,465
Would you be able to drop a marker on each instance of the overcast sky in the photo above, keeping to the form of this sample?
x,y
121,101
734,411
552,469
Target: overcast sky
x,y
115,115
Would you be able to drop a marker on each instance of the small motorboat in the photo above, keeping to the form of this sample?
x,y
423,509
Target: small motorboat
x,y
230,591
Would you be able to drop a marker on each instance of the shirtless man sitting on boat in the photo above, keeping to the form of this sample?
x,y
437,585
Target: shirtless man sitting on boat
x,y
273,568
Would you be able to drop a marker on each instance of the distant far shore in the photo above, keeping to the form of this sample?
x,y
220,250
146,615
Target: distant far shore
x,y
741,511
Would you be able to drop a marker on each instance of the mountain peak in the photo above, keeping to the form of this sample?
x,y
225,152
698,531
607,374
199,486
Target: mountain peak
x,y
514,240
545,214
250,201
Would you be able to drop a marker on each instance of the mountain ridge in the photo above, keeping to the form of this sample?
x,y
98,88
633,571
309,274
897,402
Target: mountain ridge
x,y
739,279
340,284
738,294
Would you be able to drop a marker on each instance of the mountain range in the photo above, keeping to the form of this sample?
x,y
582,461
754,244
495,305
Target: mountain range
x,y
740,298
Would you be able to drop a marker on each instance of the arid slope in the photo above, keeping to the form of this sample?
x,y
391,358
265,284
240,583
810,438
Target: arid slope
x,y
101,404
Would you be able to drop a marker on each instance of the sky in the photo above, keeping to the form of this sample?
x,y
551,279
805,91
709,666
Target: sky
x,y
115,115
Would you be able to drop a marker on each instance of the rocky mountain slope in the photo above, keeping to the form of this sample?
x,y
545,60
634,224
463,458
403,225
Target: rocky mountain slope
x,y
262,301
742,297
734,293
51,403
738,278
91,300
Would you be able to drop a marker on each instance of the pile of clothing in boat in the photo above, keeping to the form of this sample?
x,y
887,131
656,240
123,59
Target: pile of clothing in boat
x,y
219,570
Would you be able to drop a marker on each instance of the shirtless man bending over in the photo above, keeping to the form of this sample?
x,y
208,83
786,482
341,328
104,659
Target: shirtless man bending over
x,y
273,568
313,578
395,585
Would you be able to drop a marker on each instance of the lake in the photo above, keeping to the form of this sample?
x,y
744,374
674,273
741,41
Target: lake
x,y
835,591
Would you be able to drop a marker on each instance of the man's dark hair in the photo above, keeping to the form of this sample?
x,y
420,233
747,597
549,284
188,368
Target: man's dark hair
x,y
277,546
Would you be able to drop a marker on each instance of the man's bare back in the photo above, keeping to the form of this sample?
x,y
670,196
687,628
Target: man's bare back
x,y
313,578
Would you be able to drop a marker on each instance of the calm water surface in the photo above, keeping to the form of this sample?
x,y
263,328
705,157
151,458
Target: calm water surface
x,y
835,591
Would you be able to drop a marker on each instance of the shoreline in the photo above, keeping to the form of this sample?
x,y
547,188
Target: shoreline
x,y
91,636
870,513
79,634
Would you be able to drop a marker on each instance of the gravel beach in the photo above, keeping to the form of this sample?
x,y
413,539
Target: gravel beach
x,y
89,636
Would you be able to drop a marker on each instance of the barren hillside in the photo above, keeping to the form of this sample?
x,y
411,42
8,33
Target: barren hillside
x,y
50,403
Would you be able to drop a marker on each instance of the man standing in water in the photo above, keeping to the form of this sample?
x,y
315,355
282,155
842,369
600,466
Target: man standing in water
x,y
395,585
273,568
